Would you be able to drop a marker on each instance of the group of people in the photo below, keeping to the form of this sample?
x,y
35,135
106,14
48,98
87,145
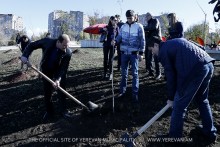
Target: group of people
x,y
188,68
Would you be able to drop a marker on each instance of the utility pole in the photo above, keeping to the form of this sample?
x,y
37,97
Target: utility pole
x,y
119,2
204,29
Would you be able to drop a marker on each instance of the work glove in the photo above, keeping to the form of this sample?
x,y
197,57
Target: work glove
x,y
169,102
56,84
140,57
113,42
24,59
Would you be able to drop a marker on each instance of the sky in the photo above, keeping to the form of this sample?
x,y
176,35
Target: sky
x,y
35,12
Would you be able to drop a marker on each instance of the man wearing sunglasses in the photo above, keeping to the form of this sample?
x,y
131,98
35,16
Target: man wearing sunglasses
x,y
132,45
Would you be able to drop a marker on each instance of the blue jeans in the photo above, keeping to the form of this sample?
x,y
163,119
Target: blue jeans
x,y
197,89
133,59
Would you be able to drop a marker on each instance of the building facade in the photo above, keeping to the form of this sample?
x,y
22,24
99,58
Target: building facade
x,y
10,24
71,23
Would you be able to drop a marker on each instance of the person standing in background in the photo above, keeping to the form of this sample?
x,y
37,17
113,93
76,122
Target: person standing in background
x,y
24,41
152,29
108,50
175,29
120,23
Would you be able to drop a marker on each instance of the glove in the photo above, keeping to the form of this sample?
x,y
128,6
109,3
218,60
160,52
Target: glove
x,y
140,57
56,84
169,102
24,59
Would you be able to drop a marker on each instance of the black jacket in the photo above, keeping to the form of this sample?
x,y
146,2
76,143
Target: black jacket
x,y
112,33
152,29
48,45
23,44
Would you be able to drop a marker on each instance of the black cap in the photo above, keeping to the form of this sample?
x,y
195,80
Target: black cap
x,y
130,13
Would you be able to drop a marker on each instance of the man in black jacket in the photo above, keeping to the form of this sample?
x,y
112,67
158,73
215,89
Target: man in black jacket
x,y
152,29
54,64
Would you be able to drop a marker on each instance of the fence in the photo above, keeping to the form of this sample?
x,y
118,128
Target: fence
x,y
90,44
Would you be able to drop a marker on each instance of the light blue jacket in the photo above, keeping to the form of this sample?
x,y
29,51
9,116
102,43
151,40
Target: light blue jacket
x,y
131,38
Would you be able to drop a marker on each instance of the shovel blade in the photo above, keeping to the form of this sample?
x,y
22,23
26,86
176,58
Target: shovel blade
x,y
92,106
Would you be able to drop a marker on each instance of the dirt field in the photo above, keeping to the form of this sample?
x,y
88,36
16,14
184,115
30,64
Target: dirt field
x,y
22,107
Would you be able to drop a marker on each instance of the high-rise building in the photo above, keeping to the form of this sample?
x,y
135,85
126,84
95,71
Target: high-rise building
x,y
10,24
60,21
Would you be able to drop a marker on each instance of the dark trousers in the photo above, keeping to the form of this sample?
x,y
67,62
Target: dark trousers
x,y
108,52
149,58
48,90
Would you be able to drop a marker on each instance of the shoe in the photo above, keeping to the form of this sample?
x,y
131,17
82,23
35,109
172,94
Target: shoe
x,y
67,114
210,139
158,77
110,77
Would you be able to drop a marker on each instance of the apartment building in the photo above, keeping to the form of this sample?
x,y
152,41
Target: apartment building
x,y
61,21
10,24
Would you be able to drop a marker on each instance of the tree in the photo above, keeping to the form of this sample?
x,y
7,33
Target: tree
x,y
195,31
96,19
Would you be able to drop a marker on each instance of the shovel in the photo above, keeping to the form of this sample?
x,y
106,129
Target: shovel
x,y
129,141
92,106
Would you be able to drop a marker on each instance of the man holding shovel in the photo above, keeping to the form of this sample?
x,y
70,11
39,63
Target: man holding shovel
x,y
54,64
188,69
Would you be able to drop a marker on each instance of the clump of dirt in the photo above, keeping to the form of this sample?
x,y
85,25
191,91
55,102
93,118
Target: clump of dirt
x,y
7,51
77,51
12,61
22,76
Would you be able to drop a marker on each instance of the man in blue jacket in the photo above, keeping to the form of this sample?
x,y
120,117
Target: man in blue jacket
x,y
188,69
132,44
54,64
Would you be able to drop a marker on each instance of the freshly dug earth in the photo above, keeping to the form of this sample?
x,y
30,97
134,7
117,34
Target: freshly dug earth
x,y
22,106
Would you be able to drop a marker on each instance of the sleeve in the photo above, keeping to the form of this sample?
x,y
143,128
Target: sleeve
x,y
32,46
168,63
62,70
141,35
118,38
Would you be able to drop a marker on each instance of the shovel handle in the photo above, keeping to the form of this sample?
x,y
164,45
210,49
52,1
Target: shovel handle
x,y
60,88
153,119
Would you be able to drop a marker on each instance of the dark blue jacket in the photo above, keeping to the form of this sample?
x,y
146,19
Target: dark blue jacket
x,y
48,46
180,58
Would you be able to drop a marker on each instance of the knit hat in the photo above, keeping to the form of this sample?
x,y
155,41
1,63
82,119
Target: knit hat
x,y
130,13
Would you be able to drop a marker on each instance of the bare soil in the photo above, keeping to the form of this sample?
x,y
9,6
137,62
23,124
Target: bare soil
x,y
22,107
